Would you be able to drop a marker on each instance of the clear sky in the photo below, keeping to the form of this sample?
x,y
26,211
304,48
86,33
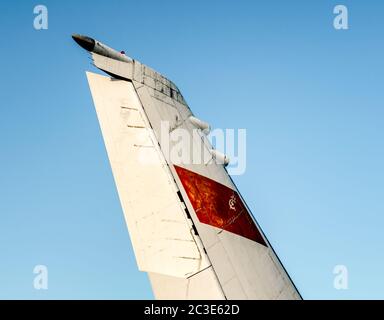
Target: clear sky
x,y
310,97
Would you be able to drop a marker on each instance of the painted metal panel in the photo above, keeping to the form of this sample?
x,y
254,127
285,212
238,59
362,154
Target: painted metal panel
x,y
116,67
255,271
202,286
161,233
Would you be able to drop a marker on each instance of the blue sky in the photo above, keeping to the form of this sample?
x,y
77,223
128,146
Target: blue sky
x,y
310,97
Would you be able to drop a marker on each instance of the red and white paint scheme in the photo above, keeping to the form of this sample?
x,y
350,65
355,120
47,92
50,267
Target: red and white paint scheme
x,y
190,229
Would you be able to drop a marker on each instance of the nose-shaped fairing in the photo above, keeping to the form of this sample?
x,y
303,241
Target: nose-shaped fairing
x,y
85,42
94,46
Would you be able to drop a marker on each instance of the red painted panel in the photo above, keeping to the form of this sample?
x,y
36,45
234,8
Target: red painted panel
x,y
218,205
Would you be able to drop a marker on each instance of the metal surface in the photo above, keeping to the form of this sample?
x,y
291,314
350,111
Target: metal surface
x,y
189,226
